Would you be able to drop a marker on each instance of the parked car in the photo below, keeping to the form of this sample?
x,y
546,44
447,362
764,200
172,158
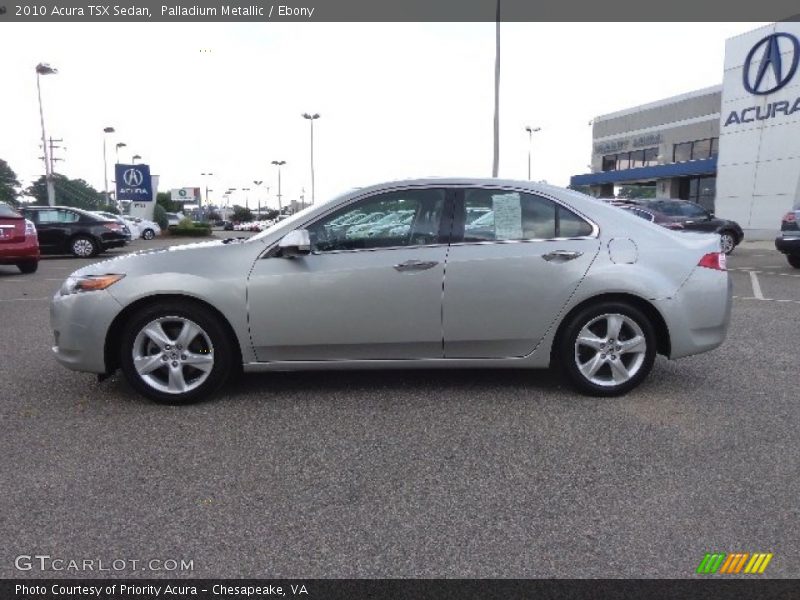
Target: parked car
x,y
599,292
174,219
129,232
143,228
789,241
688,216
19,244
227,226
63,230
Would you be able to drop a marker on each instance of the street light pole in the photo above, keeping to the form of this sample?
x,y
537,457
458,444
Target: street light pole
x,y
120,145
45,69
106,131
279,164
311,118
206,175
135,158
258,185
531,131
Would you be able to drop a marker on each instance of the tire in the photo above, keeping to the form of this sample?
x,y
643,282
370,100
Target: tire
x,y
148,234
154,333
728,241
29,266
83,246
794,260
592,323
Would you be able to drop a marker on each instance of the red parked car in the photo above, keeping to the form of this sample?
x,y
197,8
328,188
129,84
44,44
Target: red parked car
x,y
19,244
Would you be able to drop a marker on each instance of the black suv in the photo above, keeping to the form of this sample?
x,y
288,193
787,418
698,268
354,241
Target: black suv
x,y
64,230
789,241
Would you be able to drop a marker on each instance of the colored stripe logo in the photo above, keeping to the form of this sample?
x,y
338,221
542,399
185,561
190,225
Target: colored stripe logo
x,y
733,563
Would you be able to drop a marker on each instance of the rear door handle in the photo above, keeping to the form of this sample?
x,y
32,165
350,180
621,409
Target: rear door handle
x,y
416,265
561,255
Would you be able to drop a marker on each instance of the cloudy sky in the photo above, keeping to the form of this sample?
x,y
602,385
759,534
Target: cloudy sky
x,y
396,99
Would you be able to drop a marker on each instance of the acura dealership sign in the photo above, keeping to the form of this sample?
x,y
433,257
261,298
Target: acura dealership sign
x,y
770,65
134,183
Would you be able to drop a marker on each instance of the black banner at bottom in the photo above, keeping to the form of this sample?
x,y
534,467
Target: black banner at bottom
x,y
395,589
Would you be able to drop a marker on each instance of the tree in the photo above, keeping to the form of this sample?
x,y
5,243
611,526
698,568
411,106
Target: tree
x,y
164,199
160,216
9,184
241,214
69,192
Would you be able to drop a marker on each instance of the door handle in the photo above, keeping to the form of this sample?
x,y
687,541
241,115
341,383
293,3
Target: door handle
x,y
416,265
561,255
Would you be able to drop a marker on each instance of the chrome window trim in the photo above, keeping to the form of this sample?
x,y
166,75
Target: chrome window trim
x,y
459,186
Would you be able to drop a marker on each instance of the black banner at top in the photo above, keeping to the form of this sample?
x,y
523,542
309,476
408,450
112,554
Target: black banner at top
x,y
391,10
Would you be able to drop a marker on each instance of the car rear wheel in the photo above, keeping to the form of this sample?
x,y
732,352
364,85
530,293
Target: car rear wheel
x,y
728,241
607,349
83,247
29,266
176,353
148,234
794,260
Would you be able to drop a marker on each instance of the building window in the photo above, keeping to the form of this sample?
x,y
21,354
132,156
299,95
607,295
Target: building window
x,y
650,157
696,150
610,162
631,160
637,159
623,161
699,189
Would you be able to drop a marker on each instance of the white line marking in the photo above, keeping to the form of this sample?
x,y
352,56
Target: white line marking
x,y
756,286
16,299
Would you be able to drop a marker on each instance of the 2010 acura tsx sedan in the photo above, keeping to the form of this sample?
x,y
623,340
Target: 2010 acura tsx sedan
x,y
553,277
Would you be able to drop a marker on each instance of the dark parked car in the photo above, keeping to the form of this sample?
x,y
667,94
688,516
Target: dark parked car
x,y
227,225
18,243
789,241
688,216
67,230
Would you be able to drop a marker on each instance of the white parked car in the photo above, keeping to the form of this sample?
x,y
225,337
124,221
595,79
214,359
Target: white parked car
x,y
144,228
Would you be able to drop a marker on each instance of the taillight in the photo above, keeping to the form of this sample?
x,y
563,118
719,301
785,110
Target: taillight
x,y
789,217
673,225
113,226
714,260
30,228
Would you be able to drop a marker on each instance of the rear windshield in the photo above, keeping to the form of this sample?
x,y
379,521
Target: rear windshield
x,y
7,211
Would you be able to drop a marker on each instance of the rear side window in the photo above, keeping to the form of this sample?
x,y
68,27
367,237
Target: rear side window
x,y
7,211
506,215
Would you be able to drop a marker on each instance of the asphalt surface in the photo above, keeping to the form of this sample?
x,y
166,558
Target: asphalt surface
x,y
409,474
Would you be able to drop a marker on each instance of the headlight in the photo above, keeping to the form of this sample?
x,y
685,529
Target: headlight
x,y
88,283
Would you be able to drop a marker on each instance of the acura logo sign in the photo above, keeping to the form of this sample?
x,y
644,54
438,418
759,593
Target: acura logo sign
x,y
768,51
133,177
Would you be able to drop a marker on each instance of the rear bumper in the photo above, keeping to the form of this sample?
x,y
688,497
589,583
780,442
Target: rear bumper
x,y
699,313
788,245
12,253
80,323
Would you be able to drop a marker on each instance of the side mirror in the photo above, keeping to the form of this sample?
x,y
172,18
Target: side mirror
x,y
295,243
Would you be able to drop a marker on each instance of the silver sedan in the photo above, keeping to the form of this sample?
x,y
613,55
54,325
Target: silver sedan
x,y
553,277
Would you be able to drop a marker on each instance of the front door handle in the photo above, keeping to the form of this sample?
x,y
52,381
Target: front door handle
x,y
416,265
561,255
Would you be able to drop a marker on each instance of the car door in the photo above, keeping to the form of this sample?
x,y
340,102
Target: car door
x,y
511,272
48,228
377,297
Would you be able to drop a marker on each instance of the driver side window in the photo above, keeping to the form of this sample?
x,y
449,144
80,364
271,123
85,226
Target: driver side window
x,y
392,219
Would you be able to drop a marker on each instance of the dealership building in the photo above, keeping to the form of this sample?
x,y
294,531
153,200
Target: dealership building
x,y
733,148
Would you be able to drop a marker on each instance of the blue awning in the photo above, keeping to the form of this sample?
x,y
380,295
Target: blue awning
x,y
707,166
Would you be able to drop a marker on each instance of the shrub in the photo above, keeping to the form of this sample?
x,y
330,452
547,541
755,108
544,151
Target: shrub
x,y
187,228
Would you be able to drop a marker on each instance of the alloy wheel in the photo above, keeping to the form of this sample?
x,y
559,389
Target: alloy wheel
x,y
728,243
82,247
173,355
610,349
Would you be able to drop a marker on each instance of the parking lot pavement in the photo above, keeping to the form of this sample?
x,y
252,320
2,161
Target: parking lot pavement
x,y
427,474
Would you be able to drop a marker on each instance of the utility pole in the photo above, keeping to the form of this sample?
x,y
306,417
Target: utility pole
x,y
53,159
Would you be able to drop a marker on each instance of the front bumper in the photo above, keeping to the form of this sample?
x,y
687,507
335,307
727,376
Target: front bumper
x,y
80,323
788,245
699,313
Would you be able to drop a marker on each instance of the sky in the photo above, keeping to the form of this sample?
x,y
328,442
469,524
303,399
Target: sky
x,y
396,100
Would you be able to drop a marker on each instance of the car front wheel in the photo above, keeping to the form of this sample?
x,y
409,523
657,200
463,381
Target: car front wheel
x,y
607,349
176,353
148,234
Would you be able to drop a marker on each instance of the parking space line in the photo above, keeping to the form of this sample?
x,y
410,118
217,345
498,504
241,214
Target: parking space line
x,y
766,299
18,299
756,286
